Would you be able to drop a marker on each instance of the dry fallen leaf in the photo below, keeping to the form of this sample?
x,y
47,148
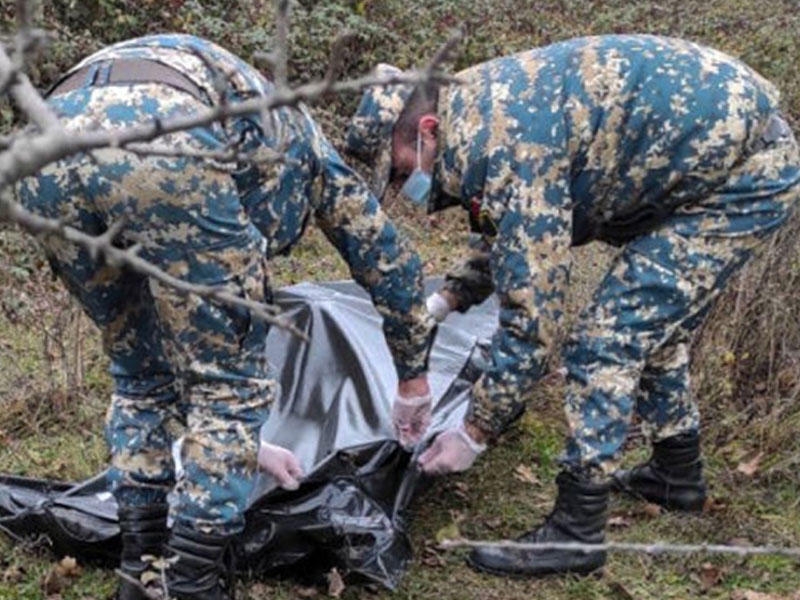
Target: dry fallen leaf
x,y
461,490
750,467
431,557
13,574
448,532
58,575
652,510
618,521
68,567
709,576
302,591
148,577
753,595
52,583
524,474
713,505
335,583
261,591
620,591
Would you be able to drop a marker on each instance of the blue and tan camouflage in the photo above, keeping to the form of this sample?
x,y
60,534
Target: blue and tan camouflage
x,y
673,151
369,135
183,365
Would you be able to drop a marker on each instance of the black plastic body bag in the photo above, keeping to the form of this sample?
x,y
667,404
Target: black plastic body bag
x,y
334,414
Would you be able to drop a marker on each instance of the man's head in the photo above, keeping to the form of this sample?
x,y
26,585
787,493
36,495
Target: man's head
x,y
395,130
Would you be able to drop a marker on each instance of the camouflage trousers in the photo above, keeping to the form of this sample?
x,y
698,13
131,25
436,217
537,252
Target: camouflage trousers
x,y
183,367
630,349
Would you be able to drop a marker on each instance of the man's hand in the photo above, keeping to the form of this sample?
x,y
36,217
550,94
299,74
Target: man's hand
x,y
440,304
452,451
282,464
411,411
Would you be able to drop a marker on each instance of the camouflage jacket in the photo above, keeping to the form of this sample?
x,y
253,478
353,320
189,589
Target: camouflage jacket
x,y
294,172
597,138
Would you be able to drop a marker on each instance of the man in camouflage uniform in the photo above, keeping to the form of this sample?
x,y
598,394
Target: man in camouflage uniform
x,y
674,152
188,366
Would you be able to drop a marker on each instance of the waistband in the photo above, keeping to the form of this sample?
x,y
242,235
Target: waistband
x,y
127,70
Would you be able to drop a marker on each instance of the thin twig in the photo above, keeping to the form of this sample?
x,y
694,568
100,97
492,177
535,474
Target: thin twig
x,y
228,155
151,594
16,83
444,53
24,19
280,54
102,246
27,155
338,51
654,548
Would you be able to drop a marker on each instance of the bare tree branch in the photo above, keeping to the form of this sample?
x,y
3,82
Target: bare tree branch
x,y
228,155
101,246
444,53
46,141
337,56
280,53
25,95
24,16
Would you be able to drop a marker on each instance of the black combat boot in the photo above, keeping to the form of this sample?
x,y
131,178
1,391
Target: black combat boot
x,y
144,531
672,478
579,515
203,565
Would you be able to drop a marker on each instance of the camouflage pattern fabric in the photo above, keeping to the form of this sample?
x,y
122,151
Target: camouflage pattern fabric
x,y
369,135
186,366
470,283
673,151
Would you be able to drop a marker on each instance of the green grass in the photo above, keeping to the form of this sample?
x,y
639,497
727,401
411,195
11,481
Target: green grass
x,y
53,400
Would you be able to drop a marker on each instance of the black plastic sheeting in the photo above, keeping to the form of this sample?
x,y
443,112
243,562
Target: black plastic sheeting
x,y
351,510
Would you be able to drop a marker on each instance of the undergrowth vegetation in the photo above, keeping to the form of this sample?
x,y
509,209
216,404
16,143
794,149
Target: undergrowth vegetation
x,y
54,386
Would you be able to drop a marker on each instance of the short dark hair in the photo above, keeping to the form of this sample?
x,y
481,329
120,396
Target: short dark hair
x,y
421,102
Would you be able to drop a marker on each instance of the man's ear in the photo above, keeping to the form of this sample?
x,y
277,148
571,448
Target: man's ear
x,y
428,126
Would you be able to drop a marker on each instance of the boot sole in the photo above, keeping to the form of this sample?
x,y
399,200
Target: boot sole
x,y
594,571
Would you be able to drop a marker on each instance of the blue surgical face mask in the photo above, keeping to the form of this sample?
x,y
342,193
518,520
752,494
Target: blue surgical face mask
x,y
417,187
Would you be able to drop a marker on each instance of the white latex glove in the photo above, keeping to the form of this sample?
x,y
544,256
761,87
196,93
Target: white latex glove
x,y
452,451
410,418
282,464
438,306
